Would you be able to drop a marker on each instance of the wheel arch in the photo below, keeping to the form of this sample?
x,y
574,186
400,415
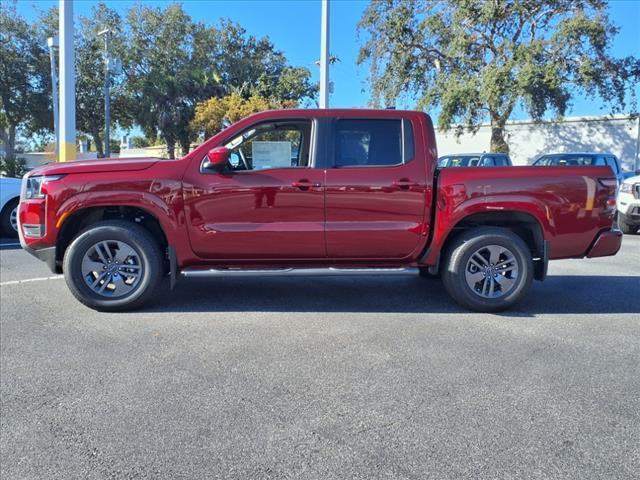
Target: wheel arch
x,y
523,224
82,218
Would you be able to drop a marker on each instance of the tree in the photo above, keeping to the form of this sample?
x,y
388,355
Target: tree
x,y
25,85
90,71
479,60
209,115
166,72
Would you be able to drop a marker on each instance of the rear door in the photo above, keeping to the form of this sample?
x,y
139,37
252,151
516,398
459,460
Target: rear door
x,y
375,189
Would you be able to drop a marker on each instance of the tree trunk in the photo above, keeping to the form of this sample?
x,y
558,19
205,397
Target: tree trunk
x,y
171,146
9,138
98,141
498,143
185,144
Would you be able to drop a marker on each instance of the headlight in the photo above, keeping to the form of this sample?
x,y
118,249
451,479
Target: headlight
x,y
626,188
34,185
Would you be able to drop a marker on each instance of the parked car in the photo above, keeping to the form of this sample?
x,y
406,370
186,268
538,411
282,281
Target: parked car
x,y
628,205
578,159
362,200
9,198
475,160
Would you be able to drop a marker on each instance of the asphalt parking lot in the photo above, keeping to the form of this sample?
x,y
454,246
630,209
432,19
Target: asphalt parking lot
x,y
323,378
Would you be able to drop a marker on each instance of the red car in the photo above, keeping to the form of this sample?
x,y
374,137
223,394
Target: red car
x,y
313,192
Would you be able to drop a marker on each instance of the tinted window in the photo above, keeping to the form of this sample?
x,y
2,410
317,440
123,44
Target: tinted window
x,y
488,162
501,161
368,143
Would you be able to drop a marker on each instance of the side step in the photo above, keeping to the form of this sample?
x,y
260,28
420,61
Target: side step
x,y
277,272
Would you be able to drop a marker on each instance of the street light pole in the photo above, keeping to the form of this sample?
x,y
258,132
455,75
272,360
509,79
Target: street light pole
x,y
67,140
324,56
52,42
107,95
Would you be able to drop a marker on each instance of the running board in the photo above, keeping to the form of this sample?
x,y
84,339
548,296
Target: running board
x,y
277,272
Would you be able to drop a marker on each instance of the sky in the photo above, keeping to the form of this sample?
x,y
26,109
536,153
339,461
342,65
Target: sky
x,y
294,28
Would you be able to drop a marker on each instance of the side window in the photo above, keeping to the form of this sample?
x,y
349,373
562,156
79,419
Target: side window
x,y
501,161
599,161
271,145
488,162
370,143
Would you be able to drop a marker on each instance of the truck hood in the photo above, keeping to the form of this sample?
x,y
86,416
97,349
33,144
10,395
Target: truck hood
x,y
96,166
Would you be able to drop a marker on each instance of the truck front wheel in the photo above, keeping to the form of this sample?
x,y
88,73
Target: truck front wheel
x,y
487,269
113,266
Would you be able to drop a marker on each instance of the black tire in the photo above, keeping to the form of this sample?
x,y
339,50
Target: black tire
x,y
425,273
626,227
457,260
143,244
6,229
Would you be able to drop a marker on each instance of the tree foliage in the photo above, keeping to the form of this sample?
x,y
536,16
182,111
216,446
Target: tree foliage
x,y
478,60
170,63
25,85
209,115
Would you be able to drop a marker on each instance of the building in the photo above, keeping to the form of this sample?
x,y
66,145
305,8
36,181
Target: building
x,y
527,140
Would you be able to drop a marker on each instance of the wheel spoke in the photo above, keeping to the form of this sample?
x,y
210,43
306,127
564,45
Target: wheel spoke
x,y
89,266
473,278
123,252
479,260
494,253
505,282
121,286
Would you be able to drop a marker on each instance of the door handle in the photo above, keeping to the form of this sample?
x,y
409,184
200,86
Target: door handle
x,y
304,184
404,184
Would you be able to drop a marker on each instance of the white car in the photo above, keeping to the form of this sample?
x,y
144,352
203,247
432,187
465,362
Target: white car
x,y
628,205
9,198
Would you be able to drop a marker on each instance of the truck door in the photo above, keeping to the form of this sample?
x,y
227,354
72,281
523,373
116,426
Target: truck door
x,y
269,201
375,190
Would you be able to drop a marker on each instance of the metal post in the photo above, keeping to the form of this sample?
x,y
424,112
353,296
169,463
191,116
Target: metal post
x,y
52,42
107,93
67,143
324,56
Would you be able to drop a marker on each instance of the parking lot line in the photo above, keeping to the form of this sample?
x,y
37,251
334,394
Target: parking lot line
x,y
27,280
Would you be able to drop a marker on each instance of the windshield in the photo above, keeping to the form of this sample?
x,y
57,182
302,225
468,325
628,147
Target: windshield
x,y
459,161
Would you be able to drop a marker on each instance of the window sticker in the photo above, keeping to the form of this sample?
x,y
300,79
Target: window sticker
x,y
270,154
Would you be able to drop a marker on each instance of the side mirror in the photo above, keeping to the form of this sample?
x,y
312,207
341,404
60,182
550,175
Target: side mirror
x,y
217,158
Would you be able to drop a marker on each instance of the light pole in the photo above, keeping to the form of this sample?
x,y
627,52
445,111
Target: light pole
x,y
67,121
52,42
324,56
107,97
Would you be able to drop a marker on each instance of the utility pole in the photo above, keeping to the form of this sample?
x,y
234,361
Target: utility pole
x,y
107,95
52,42
324,56
67,139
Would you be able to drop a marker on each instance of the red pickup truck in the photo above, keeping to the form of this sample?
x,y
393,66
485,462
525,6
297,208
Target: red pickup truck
x,y
302,192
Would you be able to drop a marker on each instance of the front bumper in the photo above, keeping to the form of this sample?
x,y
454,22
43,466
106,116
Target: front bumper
x,y
607,243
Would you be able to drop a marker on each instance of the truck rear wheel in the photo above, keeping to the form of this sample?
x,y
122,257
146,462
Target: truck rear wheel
x,y
487,269
113,266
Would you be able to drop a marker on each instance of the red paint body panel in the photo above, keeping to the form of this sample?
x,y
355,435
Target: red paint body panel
x,y
320,216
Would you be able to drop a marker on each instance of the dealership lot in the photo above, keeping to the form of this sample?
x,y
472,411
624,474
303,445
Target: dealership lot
x,y
323,378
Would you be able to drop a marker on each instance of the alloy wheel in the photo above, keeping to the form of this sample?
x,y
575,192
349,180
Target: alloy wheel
x,y
491,271
112,268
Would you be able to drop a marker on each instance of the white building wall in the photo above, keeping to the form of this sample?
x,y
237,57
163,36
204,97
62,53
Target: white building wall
x,y
527,140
